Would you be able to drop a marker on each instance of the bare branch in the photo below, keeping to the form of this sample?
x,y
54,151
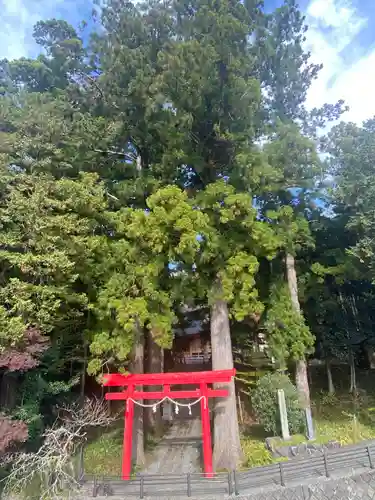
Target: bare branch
x,y
127,156
112,196
92,81
52,465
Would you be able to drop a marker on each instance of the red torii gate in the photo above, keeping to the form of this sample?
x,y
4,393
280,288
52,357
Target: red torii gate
x,y
130,395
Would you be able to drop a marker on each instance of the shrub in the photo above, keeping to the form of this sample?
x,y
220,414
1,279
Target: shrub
x,y
255,452
265,404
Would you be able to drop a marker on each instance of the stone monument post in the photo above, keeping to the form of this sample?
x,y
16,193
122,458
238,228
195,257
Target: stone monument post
x,y
283,415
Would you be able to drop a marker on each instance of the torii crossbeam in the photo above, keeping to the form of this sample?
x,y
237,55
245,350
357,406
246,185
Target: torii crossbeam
x,y
166,380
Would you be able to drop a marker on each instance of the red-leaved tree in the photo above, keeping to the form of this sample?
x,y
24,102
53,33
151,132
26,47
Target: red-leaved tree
x,y
26,354
11,432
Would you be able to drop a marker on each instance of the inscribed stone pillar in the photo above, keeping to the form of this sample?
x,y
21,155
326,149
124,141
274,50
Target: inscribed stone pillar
x,y
283,415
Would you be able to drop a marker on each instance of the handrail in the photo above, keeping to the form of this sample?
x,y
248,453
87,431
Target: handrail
x,y
236,482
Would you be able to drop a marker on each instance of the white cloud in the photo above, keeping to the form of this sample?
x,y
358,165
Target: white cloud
x,y
17,18
334,25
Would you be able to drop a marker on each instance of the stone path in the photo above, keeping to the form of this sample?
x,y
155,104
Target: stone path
x,y
179,452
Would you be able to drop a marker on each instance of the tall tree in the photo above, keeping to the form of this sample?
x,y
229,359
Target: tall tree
x,y
61,63
351,150
227,266
295,158
207,77
47,237
125,60
215,250
342,261
286,74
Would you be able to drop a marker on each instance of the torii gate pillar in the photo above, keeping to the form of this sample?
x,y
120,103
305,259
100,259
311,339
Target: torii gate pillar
x,y
130,394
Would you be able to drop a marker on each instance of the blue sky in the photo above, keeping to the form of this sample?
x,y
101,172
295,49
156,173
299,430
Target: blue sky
x,y
341,36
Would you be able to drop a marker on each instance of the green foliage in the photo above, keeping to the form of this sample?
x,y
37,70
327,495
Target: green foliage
x,y
265,403
43,133
333,417
288,335
103,453
11,329
29,413
45,229
33,391
138,292
50,71
343,418
256,453
231,245
352,154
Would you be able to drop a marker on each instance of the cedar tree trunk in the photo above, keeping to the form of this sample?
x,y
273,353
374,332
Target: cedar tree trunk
x,y
302,381
137,366
353,376
227,453
154,364
331,387
8,390
84,368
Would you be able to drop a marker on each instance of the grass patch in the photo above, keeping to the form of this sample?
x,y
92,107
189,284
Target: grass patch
x,y
254,449
344,432
103,455
293,441
344,419
255,452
